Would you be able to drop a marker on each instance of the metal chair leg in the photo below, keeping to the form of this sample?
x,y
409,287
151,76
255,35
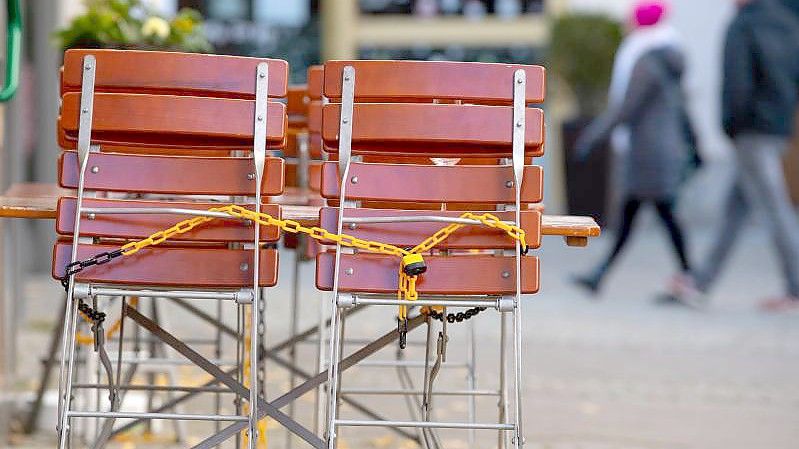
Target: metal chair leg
x,y
518,440
294,326
333,377
68,368
503,439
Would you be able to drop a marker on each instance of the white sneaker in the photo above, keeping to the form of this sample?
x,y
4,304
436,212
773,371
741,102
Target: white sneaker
x,y
683,288
781,304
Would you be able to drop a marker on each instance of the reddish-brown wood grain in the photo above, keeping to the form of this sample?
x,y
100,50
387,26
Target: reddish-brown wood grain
x,y
293,139
172,121
140,226
171,174
410,234
446,275
314,175
173,73
432,128
432,184
172,267
297,106
315,116
316,74
412,80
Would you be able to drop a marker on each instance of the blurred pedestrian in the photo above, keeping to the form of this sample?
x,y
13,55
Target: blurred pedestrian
x,y
646,117
759,100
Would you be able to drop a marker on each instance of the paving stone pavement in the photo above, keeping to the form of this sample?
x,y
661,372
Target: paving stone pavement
x,y
615,372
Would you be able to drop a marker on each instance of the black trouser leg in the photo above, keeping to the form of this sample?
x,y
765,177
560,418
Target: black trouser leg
x,y
665,209
629,212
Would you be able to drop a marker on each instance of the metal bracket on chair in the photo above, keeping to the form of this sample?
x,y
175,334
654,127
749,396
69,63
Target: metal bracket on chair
x,y
346,300
86,108
260,119
519,125
244,296
506,304
71,317
259,159
519,137
82,291
345,125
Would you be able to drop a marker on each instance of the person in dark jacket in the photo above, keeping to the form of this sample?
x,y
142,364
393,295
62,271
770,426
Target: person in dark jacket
x,y
646,117
759,100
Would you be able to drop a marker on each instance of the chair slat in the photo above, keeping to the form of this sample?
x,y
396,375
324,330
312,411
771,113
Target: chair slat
x,y
446,275
292,140
172,267
172,121
316,75
315,116
297,106
173,73
413,80
433,184
314,175
140,226
171,174
433,129
410,234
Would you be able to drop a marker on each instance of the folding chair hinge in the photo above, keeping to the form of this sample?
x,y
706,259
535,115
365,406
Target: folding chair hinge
x,y
244,296
345,301
506,304
82,291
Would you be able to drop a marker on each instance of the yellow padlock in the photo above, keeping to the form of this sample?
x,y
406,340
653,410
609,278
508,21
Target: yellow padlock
x,y
413,264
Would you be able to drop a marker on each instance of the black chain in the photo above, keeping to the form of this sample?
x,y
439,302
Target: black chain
x,y
456,317
79,265
402,325
95,315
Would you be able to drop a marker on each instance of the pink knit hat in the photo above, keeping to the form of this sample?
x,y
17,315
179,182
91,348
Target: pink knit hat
x,y
648,13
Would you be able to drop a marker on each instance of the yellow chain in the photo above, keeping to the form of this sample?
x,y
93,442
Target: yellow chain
x,y
407,284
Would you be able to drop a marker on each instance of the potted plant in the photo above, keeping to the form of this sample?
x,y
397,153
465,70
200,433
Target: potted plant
x,y
129,24
580,56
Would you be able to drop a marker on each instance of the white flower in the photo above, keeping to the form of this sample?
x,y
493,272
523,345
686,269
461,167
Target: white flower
x,y
155,26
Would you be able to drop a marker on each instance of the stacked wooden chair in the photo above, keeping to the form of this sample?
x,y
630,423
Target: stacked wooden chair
x,y
303,174
394,152
400,111
152,139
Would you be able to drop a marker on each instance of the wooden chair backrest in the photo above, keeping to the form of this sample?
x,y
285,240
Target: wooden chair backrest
x,y
404,111
169,124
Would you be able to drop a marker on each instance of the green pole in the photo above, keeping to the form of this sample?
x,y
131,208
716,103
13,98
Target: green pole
x,y
13,51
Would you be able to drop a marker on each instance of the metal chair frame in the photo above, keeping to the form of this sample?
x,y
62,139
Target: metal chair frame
x,y
87,291
342,301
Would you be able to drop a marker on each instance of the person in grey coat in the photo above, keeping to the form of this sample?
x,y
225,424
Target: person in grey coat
x,y
652,110
760,93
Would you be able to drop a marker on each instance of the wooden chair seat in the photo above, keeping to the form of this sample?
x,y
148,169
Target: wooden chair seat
x,y
446,275
432,184
140,226
186,267
171,121
407,235
433,128
173,73
168,174
407,81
